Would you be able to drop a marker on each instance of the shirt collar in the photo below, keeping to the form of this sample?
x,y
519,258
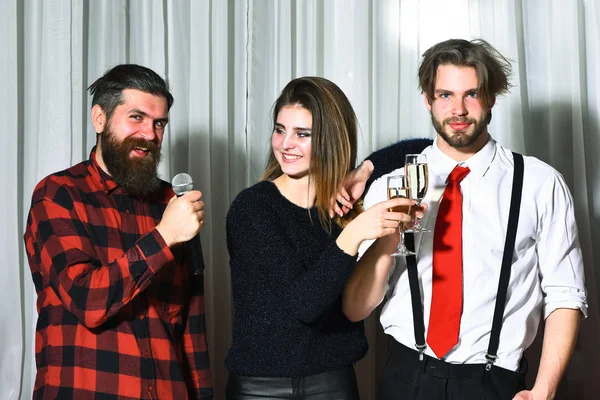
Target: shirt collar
x,y
479,163
106,181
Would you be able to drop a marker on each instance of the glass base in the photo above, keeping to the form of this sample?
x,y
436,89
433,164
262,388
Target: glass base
x,y
417,229
403,253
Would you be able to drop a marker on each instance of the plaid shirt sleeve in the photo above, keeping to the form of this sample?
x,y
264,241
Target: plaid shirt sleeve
x,y
194,342
61,247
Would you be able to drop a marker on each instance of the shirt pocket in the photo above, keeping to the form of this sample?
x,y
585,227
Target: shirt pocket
x,y
169,294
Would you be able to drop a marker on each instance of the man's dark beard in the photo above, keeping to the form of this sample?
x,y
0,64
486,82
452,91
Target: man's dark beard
x,y
460,141
137,176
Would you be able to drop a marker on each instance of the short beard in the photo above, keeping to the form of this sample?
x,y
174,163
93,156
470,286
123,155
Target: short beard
x,y
137,176
461,141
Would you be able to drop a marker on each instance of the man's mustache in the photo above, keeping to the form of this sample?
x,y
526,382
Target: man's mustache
x,y
463,120
150,145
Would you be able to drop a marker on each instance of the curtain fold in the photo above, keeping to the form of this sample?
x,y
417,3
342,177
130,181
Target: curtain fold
x,y
589,37
11,328
227,62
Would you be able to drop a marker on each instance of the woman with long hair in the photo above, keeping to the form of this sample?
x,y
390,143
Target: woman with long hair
x,y
290,260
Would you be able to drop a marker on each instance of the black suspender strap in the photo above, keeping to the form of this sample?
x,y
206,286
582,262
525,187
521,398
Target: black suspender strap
x,y
509,246
415,296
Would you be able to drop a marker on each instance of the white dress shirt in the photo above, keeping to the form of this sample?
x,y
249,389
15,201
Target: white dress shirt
x,y
547,268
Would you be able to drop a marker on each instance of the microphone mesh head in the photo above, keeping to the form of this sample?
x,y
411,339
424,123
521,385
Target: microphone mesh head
x,y
182,183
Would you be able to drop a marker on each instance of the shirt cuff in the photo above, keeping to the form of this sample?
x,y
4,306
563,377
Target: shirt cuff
x,y
565,298
154,251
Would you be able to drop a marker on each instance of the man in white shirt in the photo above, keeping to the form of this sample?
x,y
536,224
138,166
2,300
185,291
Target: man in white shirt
x,y
460,81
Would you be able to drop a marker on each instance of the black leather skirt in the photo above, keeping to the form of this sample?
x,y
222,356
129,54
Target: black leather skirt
x,y
338,384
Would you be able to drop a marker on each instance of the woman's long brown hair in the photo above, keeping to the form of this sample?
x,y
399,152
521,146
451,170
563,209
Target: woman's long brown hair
x,y
333,140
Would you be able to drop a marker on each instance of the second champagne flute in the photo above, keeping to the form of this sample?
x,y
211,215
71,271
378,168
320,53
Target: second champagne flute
x,y
398,187
418,182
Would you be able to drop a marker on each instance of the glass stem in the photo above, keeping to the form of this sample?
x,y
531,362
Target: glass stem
x,y
417,219
402,244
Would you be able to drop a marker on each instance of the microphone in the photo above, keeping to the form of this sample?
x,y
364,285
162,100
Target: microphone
x,y
183,183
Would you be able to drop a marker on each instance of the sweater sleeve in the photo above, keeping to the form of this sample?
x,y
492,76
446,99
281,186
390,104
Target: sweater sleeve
x,y
392,157
259,243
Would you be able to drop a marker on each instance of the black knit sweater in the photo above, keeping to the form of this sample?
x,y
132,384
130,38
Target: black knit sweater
x,y
287,276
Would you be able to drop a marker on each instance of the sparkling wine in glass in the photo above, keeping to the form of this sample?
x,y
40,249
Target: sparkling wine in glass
x,y
397,187
418,183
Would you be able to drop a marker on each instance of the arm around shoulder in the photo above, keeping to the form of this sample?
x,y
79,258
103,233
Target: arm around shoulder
x,y
389,158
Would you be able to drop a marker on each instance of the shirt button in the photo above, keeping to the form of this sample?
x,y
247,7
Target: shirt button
x,y
127,211
149,388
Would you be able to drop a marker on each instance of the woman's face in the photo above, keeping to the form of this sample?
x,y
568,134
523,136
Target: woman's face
x,y
291,140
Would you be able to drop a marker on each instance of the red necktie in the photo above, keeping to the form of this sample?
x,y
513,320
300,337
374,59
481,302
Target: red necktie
x,y
446,295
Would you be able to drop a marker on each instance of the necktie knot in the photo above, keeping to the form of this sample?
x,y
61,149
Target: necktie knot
x,y
458,174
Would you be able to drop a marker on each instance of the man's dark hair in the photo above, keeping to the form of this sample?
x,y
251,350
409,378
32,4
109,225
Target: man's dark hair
x,y
492,68
107,91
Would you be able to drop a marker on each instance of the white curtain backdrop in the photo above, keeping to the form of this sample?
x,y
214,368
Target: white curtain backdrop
x,y
226,62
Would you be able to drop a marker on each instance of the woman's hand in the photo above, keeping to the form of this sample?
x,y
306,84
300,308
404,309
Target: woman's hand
x,y
376,222
379,221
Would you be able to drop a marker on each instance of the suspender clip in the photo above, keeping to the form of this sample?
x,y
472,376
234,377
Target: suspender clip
x,y
421,349
490,361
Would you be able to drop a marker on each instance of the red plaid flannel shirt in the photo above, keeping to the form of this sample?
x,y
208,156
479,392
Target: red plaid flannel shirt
x,y
120,315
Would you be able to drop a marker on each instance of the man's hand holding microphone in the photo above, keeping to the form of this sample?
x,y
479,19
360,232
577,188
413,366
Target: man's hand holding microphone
x,y
183,218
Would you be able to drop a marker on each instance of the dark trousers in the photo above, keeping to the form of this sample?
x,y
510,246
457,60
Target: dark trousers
x,y
408,378
338,384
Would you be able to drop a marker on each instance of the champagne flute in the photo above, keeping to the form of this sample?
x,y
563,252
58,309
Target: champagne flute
x,y
418,183
397,187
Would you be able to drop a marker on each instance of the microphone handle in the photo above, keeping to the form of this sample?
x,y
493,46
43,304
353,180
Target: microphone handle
x,y
196,257
194,247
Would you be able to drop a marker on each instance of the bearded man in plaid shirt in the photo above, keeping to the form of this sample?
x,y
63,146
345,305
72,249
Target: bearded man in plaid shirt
x,y
120,314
